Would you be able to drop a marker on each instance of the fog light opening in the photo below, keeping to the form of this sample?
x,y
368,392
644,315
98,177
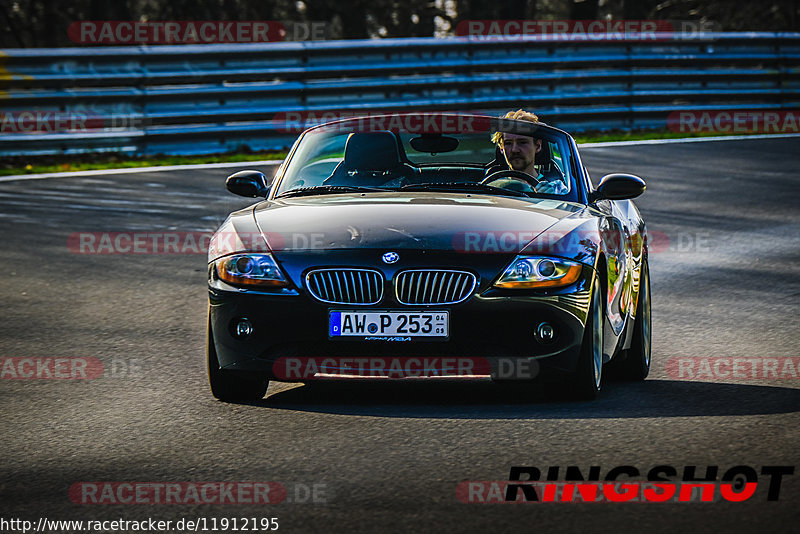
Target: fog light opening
x,y
242,328
545,333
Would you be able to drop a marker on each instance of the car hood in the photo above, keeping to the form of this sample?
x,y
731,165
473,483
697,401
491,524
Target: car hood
x,y
430,221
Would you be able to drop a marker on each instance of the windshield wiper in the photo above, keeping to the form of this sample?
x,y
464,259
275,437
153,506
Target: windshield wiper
x,y
462,186
322,189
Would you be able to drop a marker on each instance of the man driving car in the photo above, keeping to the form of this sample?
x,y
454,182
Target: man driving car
x,y
520,154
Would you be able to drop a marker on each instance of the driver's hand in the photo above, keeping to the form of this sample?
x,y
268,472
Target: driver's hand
x,y
514,185
555,187
400,181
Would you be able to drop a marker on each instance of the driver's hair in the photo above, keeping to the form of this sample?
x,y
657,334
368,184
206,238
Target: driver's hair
x,y
520,115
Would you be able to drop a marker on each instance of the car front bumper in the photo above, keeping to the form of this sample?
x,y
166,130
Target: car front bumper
x,y
496,326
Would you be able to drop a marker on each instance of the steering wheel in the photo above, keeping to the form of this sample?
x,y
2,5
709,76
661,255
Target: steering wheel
x,y
510,173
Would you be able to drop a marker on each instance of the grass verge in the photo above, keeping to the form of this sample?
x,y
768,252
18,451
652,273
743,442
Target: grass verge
x,y
82,162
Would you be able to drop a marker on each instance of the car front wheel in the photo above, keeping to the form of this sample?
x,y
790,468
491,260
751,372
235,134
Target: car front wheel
x,y
636,366
231,385
586,381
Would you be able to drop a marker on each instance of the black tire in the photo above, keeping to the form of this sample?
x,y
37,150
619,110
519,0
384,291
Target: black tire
x,y
231,385
636,366
586,382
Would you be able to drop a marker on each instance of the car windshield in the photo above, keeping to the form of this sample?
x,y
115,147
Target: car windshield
x,y
437,152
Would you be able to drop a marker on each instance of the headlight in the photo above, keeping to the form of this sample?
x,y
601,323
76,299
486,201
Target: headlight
x,y
527,272
251,270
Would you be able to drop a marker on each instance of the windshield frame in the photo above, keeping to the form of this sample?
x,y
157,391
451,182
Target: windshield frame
x,y
573,171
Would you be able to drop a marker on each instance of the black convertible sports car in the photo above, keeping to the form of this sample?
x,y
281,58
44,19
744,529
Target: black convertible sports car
x,y
406,245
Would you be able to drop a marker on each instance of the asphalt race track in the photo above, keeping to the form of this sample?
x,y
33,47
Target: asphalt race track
x,y
384,457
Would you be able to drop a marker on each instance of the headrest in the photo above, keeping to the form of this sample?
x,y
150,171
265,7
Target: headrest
x,y
543,157
371,151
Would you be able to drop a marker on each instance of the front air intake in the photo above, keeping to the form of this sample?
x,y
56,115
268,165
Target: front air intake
x,y
427,287
345,286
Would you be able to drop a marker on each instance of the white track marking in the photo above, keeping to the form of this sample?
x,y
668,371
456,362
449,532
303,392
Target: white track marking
x,y
135,170
686,140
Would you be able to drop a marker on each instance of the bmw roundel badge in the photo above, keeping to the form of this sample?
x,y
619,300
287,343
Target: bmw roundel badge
x,y
390,257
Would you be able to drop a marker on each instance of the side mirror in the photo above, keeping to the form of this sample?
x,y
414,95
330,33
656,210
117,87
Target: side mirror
x,y
619,187
248,184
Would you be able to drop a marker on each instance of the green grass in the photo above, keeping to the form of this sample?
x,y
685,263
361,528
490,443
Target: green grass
x,y
43,164
603,137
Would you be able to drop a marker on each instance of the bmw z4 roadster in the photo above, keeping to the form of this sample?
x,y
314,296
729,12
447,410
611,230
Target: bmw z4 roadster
x,y
430,245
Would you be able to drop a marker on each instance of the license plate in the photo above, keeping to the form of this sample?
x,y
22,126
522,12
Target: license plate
x,y
389,324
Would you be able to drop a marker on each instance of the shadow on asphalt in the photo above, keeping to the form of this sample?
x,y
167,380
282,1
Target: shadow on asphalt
x,y
487,400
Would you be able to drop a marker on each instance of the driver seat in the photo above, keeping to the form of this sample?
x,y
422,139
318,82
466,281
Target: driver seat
x,y
370,159
549,168
498,164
